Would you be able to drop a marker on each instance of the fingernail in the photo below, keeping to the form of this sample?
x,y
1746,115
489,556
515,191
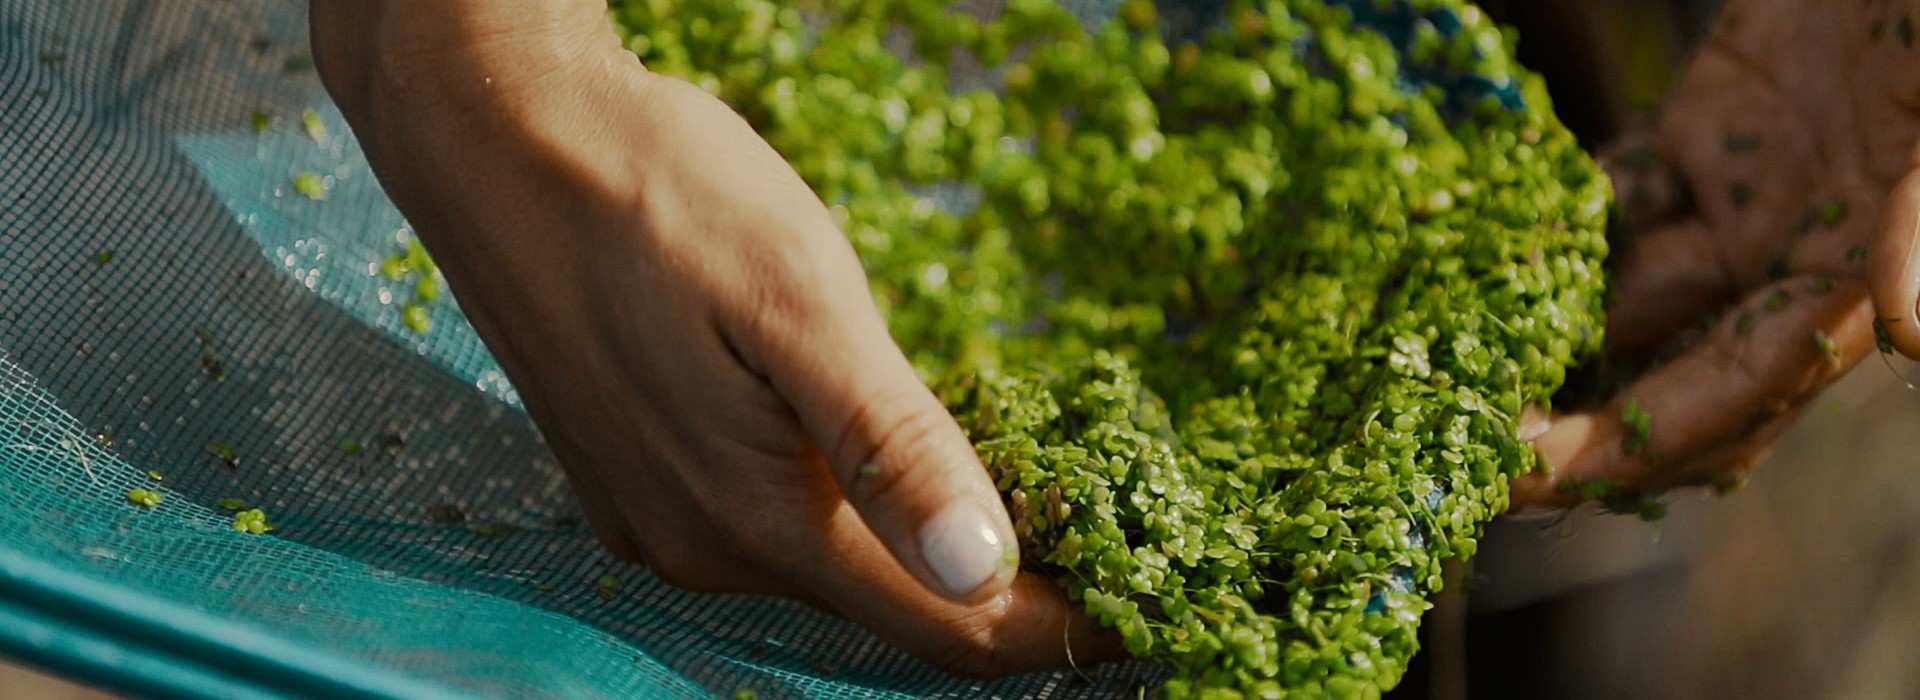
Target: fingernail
x,y
962,548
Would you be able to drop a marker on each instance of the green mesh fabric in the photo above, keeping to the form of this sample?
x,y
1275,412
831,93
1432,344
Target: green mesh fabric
x,y
168,299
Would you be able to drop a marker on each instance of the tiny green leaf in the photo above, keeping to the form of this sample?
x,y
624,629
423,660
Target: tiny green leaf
x,y
415,318
1639,426
143,498
316,129
252,522
1833,212
311,185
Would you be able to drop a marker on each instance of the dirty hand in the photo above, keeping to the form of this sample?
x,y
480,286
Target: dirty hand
x,y
1762,240
687,326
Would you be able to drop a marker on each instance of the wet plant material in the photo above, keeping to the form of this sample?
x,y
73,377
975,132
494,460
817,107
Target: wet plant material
x,y
1240,325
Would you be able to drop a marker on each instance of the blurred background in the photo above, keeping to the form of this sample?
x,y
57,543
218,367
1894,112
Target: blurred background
x,y
1805,584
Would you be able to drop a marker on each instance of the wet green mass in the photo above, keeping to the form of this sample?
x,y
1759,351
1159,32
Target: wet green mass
x,y
1241,320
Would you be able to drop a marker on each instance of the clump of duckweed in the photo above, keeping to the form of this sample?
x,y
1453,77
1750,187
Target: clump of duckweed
x,y
1241,325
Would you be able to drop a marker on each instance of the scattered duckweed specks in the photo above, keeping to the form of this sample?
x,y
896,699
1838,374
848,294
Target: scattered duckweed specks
x,y
310,185
143,498
261,122
1726,484
316,129
1833,212
104,257
210,362
1639,428
252,522
155,475
415,318
230,503
228,458
607,587
1826,347
413,261
1240,326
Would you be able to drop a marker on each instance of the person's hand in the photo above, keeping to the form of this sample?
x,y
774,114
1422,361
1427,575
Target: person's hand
x,y
1762,237
687,326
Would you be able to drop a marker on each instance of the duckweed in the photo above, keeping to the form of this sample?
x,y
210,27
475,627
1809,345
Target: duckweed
x,y
1240,323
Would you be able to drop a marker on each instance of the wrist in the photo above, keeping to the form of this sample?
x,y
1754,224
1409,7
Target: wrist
x,y
450,54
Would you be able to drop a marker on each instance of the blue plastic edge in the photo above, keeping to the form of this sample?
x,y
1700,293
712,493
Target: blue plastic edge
x,y
121,639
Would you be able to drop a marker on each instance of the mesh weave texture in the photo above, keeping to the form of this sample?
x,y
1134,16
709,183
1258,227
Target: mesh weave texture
x,y
167,299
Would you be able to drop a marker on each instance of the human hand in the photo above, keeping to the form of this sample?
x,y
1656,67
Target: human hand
x,y
688,327
1758,205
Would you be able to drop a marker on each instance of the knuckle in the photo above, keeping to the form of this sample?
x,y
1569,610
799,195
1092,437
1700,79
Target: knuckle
x,y
969,652
895,440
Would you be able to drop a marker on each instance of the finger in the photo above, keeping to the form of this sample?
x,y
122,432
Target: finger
x,y
1729,463
1032,626
1893,266
1755,364
1671,278
1646,185
897,454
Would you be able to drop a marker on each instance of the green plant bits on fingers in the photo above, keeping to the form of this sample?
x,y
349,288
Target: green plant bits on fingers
x,y
1242,327
1639,427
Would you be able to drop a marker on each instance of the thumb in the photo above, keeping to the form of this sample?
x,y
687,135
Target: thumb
x,y
900,458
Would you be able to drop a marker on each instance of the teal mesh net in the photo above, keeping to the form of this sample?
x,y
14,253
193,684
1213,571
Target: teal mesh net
x,y
174,317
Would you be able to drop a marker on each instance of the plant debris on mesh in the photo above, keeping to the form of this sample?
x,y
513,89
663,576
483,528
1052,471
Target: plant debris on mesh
x,y
1241,323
